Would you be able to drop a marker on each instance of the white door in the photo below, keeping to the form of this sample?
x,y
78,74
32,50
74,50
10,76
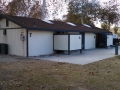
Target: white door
x,y
75,42
40,43
90,40
109,40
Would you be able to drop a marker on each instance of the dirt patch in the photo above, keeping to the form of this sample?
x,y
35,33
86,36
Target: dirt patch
x,y
20,73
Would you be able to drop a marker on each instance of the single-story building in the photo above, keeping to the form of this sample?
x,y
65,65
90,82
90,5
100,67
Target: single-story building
x,y
34,37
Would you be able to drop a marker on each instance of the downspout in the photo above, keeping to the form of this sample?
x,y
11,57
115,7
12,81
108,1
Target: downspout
x,y
27,49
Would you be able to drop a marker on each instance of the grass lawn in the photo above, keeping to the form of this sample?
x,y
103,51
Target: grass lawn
x,y
28,74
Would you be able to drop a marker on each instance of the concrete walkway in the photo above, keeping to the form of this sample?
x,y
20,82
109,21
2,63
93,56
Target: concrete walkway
x,y
87,56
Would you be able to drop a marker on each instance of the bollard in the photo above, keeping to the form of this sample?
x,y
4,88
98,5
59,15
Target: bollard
x,y
116,49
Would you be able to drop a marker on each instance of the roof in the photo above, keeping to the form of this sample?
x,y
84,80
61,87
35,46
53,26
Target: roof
x,y
58,26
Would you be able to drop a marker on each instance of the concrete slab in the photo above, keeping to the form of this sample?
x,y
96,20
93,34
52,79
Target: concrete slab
x,y
87,56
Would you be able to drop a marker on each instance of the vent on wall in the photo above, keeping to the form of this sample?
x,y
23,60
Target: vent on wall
x,y
4,32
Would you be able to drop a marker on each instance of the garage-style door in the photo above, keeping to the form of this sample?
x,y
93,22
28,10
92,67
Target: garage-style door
x,y
90,40
40,43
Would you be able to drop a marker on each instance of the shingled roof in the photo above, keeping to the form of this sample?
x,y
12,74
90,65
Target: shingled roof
x,y
37,24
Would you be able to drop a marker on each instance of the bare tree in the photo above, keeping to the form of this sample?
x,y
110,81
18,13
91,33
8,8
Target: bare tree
x,y
29,8
3,4
55,8
17,7
35,10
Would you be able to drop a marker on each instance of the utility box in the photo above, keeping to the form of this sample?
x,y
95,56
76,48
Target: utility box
x,y
67,42
4,48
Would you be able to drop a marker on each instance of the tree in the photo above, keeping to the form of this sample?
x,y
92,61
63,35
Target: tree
x,y
109,13
88,11
2,6
27,8
115,29
56,8
105,26
17,7
82,11
35,10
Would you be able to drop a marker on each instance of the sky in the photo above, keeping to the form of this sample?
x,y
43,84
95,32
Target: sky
x,y
55,7
62,7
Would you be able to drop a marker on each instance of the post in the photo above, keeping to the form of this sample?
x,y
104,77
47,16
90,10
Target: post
x,y
68,44
116,49
27,46
43,10
82,13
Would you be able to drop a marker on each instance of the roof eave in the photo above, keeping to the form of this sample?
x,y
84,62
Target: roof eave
x,y
60,30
